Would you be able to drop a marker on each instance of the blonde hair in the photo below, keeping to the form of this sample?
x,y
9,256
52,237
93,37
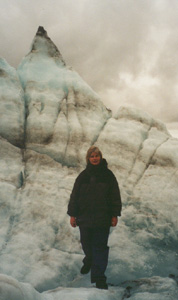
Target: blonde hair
x,y
91,150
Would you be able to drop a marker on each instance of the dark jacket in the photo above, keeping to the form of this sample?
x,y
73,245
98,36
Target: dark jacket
x,y
95,197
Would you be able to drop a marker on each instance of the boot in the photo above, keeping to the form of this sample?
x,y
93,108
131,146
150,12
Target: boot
x,y
85,269
101,284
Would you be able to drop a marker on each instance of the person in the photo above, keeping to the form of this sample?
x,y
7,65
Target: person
x,y
94,206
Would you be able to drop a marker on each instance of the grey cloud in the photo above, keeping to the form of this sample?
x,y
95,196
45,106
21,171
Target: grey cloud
x,y
104,40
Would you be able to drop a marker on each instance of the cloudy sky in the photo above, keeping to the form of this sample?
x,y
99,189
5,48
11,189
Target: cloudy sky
x,y
126,50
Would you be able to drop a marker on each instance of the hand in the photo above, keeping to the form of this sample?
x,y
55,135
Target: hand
x,y
73,222
114,221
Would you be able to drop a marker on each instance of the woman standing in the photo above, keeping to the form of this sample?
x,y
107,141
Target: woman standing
x,y
94,205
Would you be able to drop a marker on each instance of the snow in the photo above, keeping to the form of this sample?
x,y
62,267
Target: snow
x,y
155,288
47,126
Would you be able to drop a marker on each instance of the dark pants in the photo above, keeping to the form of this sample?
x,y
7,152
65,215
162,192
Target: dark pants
x,y
94,243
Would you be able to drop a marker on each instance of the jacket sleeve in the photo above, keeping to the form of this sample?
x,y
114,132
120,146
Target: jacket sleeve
x,y
72,206
115,197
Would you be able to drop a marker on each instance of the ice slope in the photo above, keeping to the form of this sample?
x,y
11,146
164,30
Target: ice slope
x,y
144,158
12,111
62,118
63,113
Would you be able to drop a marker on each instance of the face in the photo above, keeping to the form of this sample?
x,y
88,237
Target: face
x,y
95,158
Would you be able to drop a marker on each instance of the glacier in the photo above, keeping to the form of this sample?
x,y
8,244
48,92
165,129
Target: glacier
x,y
49,118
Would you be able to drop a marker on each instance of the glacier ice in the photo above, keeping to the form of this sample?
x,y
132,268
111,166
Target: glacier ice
x,y
49,117
155,288
11,289
11,105
63,112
